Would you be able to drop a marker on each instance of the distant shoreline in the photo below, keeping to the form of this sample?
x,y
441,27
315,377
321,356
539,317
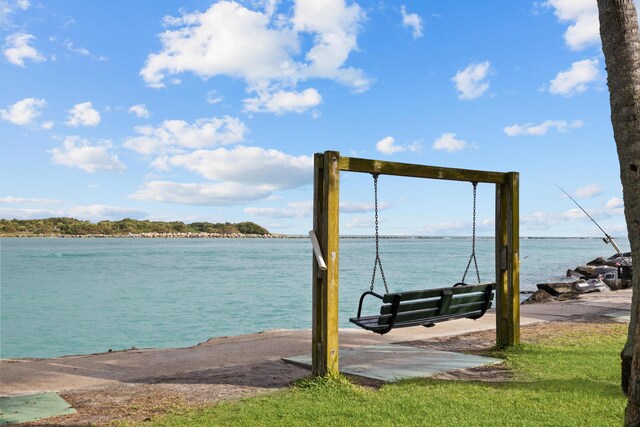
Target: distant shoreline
x,y
264,236
151,236
128,228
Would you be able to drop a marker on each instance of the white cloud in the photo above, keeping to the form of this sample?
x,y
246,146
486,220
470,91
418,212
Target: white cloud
x,y
254,166
360,222
30,213
8,8
80,153
173,135
140,110
83,114
283,102
47,125
576,79
584,29
89,213
305,209
539,220
361,207
227,39
335,27
542,128
588,191
103,212
213,97
388,146
293,210
615,203
23,112
446,228
471,82
620,229
5,11
546,220
413,21
17,49
16,213
209,194
28,201
572,214
262,47
238,175
72,48
448,142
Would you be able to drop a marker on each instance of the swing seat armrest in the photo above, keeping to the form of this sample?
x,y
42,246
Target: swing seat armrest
x,y
362,300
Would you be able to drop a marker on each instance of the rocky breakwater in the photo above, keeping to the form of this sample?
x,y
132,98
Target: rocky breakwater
x,y
615,271
562,291
598,275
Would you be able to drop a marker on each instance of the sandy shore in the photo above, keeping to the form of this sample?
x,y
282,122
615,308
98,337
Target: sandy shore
x,y
136,384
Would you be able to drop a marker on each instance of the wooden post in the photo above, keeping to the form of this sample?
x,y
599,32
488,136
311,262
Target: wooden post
x,y
513,183
317,274
325,283
508,262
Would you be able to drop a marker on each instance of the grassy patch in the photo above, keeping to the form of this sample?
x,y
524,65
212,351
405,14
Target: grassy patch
x,y
570,380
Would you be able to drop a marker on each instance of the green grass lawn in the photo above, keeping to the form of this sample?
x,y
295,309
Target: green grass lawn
x,y
572,379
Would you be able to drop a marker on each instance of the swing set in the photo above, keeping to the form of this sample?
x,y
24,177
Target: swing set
x,y
410,308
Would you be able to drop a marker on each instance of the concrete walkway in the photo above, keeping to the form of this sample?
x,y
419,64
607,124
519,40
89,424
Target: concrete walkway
x,y
26,376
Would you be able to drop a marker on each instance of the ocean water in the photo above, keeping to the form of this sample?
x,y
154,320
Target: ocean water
x,y
80,296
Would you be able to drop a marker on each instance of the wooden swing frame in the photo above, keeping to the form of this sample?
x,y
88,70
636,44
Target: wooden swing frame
x,y
325,284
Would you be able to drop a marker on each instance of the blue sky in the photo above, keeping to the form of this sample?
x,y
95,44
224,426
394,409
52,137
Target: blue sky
x,y
211,111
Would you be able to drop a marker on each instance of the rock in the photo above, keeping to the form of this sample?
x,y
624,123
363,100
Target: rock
x,y
599,275
539,296
569,295
617,278
592,285
626,272
573,273
603,272
586,271
556,289
598,261
624,254
617,284
576,294
616,260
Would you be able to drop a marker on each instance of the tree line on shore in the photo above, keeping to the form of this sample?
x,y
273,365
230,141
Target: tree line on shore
x,y
75,227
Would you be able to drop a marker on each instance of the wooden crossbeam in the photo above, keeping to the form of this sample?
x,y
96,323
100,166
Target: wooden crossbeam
x,y
353,164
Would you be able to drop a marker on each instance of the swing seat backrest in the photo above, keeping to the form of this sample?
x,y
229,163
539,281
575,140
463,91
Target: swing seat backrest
x,y
427,307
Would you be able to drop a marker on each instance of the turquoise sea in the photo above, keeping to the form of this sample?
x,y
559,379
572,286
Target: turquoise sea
x,y
79,296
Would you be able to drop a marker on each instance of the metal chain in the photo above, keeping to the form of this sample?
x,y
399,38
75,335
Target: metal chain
x,y
377,260
473,240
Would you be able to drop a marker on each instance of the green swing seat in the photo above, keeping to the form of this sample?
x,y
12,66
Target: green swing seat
x,y
426,307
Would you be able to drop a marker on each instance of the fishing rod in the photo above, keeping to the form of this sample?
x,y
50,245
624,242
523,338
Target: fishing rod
x,y
608,238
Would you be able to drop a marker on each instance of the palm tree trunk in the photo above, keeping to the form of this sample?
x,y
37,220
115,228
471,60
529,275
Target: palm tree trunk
x,y
621,47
